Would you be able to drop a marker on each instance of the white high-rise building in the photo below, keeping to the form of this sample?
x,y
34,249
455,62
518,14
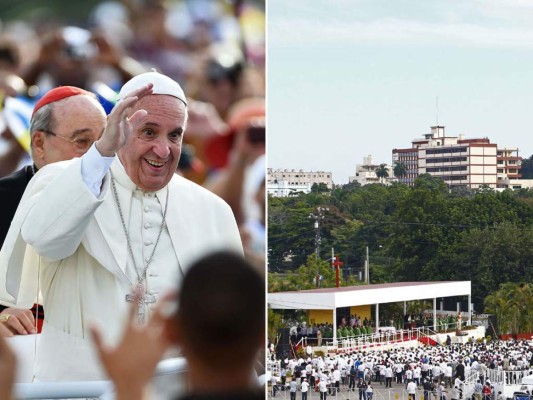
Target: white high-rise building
x,y
458,161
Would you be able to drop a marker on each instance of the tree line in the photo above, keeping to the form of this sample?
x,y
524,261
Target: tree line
x,y
425,232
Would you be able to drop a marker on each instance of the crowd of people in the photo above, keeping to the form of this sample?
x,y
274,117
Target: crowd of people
x,y
440,369
130,149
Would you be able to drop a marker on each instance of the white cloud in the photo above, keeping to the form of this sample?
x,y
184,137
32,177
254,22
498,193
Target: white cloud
x,y
394,31
471,23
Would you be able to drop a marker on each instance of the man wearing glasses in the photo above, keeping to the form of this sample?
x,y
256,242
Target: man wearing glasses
x,y
65,123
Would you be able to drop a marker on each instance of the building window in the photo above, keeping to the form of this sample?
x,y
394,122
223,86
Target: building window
x,y
446,150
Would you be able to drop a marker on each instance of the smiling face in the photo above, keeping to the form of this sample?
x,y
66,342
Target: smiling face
x,y
151,154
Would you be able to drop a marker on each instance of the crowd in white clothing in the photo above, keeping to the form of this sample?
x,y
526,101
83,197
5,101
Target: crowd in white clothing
x,y
448,365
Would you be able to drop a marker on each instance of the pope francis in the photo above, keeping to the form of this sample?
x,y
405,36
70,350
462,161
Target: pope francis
x,y
90,231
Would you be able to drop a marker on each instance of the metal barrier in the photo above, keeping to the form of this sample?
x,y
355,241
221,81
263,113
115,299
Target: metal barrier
x,y
377,339
471,378
513,377
344,394
87,389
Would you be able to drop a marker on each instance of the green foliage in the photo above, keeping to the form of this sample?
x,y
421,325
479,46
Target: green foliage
x,y
319,188
418,233
275,322
290,232
305,277
382,172
400,170
527,168
282,319
512,304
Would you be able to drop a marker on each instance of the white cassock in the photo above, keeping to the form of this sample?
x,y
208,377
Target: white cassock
x,y
76,244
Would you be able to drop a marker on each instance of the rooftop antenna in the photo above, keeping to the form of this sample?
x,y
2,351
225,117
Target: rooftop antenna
x,y
437,109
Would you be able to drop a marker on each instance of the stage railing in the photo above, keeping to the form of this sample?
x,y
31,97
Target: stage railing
x,y
381,338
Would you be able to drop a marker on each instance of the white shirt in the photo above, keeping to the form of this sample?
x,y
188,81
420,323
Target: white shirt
x,y
336,375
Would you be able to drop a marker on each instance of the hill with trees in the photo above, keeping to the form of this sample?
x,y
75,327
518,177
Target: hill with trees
x,y
421,233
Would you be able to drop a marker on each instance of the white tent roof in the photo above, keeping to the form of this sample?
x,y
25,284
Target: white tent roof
x,y
331,298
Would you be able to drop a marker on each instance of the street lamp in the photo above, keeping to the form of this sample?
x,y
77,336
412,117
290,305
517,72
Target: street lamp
x,y
318,216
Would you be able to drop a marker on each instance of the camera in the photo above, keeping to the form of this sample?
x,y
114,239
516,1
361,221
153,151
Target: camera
x,y
256,132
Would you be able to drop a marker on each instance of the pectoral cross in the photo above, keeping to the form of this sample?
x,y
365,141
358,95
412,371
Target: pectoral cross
x,y
143,299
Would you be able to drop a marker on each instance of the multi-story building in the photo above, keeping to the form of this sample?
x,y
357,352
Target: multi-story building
x,y
365,173
282,182
508,166
458,161
409,158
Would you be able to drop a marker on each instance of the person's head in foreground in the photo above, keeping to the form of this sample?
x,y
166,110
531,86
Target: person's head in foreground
x,y
220,323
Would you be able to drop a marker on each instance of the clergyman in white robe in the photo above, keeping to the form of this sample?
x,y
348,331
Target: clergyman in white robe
x,y
70,245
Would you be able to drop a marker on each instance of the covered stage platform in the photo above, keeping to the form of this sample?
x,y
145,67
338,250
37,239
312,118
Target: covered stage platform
x,y
333,298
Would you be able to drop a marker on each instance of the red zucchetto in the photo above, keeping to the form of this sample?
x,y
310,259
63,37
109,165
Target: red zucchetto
x,y
58,93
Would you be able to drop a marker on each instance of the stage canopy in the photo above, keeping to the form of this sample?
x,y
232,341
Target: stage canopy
x,y
333,298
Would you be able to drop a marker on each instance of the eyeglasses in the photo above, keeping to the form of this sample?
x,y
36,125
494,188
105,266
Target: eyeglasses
x,y
80,144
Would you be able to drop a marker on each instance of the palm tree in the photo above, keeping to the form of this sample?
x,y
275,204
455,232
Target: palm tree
x,y
382,172
495,303
400,170
512,305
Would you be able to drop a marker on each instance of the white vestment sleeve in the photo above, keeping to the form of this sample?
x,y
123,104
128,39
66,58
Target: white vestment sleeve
x,y
58,207
93,169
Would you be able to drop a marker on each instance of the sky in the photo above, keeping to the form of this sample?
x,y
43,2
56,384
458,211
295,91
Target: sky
x,y
352,78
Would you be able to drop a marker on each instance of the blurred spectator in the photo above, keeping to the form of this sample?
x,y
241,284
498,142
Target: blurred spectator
x,y
253,230
231,154
152,42
14,136
14,113
221,296
77,57
237,163
224,78
9,57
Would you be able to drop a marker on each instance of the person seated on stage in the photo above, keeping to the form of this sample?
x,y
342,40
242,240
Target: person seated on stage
x,y
219,326
54,137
